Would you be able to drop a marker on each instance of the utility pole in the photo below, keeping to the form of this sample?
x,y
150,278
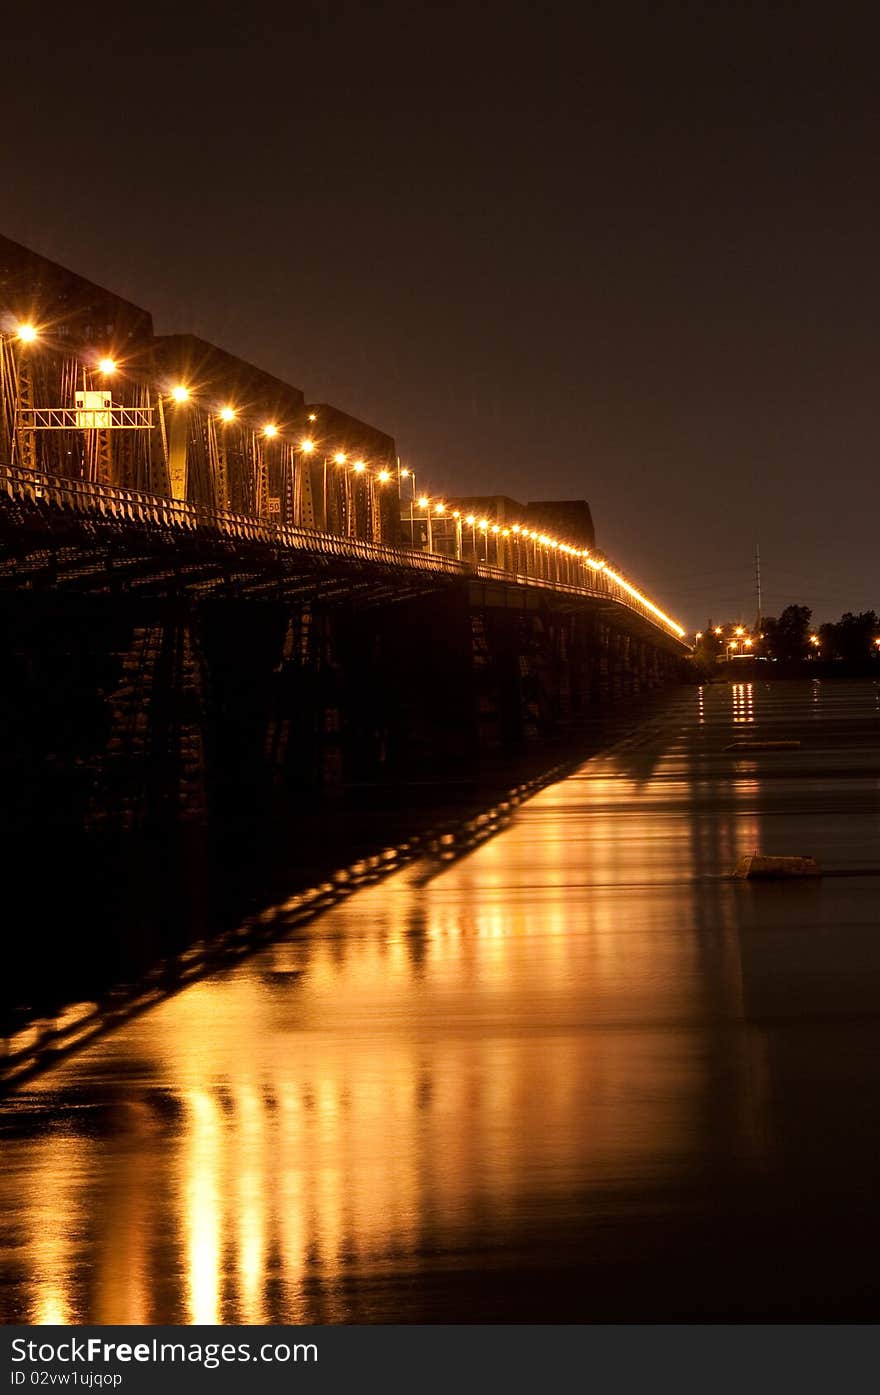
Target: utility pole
x,y
758,618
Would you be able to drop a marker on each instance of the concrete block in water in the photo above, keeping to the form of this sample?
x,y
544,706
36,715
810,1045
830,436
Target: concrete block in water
x,y
763,746
757,865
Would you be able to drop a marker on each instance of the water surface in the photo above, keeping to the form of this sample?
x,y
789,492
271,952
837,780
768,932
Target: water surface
x,y
579,1074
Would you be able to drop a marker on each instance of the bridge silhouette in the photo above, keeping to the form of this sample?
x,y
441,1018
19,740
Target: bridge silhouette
x,y
244,644
210,585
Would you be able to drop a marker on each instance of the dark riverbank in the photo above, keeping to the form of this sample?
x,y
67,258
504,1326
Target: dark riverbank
x,y
743,670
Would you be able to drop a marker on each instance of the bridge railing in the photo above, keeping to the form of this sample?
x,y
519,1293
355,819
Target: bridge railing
x,y
88,497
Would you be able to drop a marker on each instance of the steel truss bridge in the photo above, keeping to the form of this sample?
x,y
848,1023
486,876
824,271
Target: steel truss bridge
x,y
174,467
81,535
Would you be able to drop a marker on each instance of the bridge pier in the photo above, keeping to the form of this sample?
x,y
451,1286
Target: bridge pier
x,y
131,711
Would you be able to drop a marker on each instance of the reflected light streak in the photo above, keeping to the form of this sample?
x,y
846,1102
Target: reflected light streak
x,y
203,1211
423,1061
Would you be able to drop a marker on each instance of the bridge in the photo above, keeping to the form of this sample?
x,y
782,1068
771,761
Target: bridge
x,y
153,487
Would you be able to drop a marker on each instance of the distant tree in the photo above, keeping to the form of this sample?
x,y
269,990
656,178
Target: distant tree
x,y
706,650
854,635
788,637
828,641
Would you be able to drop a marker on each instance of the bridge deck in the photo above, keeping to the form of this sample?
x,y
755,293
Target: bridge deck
x,y
86,535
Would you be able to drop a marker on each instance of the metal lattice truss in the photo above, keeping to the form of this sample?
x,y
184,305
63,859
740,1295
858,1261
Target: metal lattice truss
x,y
165,463
334,556
112,418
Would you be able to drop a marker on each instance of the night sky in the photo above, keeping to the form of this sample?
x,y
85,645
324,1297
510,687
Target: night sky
x,y
625,252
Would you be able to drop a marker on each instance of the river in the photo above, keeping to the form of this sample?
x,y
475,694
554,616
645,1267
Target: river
x,y
578,1074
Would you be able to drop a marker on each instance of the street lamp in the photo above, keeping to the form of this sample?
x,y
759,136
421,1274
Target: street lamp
x,y
471,521
425,506
483,526
406,473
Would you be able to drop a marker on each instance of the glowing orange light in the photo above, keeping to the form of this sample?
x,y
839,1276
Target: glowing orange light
x,y
404,474
632,591
313,416
227,414
739,630
270,429
307,446
340,457
423,502
107,366
359,466
180,393
471,519
26,333
699,634
384,476
717,629
483,524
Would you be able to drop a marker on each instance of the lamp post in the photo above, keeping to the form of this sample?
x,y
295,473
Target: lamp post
x,y
407,474
217,450
26,333
382,478
339,458
358,468
425,505
471,521
457,516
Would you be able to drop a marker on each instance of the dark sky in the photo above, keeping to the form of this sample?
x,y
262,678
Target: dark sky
x,y
622,252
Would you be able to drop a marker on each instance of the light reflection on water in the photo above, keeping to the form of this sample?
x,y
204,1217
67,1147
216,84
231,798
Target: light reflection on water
x,y
475,1070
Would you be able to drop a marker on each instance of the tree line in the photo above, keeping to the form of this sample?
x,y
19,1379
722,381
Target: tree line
x,y
788,637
